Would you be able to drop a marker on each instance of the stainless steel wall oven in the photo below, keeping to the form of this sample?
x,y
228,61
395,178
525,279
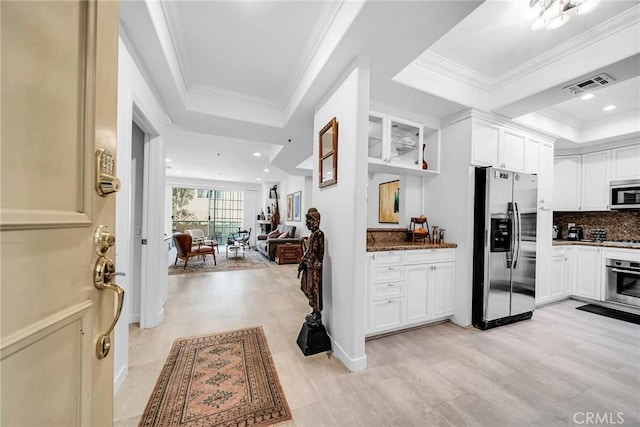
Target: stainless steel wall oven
x,y
623,282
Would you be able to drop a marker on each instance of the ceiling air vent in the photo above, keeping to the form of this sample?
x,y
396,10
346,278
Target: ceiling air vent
x,y
590,83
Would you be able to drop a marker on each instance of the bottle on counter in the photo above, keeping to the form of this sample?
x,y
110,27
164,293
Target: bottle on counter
x,y
441,236
436,240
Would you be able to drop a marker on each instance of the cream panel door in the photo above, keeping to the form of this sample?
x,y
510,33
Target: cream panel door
x,y
58,101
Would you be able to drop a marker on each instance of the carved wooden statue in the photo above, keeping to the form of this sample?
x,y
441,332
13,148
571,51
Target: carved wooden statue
x,y
311,268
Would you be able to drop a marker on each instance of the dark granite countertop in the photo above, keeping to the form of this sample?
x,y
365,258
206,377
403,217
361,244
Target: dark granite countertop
x,y
606,244
401,246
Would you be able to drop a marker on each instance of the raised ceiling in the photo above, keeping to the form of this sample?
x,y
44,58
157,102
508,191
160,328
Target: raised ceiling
x,y
235,75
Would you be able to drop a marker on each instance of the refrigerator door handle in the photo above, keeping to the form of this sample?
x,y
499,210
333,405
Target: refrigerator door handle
x,y
518,237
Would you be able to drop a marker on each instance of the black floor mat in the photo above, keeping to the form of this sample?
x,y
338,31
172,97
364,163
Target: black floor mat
x,y
609,312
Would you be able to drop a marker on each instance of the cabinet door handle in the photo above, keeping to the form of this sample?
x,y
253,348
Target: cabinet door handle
x,y
390,285
390,301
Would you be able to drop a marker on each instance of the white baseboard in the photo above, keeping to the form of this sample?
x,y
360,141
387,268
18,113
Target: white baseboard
x,y
353,365
119,378
134,318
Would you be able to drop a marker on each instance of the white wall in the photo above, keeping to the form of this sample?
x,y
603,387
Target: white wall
x,y
343,209
133,90
449,204
411,199
290,185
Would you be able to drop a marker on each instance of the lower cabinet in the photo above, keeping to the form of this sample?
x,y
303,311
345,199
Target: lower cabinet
x,y
417,287
560,285
587,272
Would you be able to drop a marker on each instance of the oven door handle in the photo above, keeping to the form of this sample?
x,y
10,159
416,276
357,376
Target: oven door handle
x,y
617,270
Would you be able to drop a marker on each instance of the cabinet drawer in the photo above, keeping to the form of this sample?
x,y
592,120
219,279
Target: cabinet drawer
x,y
422,256
387,274
387,290
387,314
383,259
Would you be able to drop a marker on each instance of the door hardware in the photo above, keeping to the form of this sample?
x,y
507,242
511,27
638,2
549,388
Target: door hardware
x,y
103,240
103,273
106,181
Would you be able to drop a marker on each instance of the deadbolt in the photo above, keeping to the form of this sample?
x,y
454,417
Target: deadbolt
x,y
103,240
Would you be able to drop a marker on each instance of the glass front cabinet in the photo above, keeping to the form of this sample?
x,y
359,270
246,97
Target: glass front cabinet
x,y
400,145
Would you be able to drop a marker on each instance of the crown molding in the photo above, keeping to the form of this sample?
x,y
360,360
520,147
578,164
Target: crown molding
x,y
327,15
232,96
172,21
558,116
471,113
442,65
425,120
617,23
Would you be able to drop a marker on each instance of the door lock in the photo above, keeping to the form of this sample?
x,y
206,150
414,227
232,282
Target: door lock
x,y
103,240
106,181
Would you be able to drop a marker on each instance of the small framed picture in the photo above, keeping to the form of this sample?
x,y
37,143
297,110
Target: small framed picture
x,y
297,196
290,207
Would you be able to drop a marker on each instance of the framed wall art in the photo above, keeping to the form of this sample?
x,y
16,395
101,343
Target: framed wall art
x,y
328,158
297,196
290,207
389,202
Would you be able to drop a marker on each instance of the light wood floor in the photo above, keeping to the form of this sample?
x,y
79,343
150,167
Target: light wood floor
x,y
551,370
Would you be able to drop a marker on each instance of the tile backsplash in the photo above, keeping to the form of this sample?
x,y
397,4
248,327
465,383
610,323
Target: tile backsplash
x,y
619,225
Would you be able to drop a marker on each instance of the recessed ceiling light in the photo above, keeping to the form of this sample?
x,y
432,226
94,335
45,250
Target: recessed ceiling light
x,y
257,154
259,179
178,172
587,96
167,160
609,108
266,170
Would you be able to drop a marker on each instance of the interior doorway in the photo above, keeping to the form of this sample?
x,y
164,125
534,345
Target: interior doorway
x,y
138,138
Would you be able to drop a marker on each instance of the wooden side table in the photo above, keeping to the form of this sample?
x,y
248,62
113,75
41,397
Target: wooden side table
x,y
288,253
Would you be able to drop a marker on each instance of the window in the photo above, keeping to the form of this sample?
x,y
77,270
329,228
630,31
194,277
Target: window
x,y
219,213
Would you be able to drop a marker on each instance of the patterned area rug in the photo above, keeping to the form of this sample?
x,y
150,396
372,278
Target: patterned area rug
x,y
226,379
252,259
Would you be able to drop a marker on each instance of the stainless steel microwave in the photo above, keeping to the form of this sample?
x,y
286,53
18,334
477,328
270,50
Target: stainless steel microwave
x,y
625,194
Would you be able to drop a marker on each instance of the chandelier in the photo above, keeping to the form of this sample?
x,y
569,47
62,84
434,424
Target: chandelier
x,y
554,14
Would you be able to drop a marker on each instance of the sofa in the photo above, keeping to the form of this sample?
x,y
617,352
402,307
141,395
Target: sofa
x,y
267,245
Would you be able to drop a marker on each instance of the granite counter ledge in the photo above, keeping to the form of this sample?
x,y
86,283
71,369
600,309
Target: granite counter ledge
x,y
401,246
605,244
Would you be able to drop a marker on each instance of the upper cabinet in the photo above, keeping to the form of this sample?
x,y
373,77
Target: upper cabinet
x,y
566,183
503,147
595,181
581,181
402,146
625,163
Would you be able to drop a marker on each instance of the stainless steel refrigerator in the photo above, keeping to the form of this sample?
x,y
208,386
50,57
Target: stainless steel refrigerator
x,y
504,251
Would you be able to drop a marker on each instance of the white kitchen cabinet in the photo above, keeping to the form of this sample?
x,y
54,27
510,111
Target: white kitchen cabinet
x,y
559,285
587,272
595,181
503,147
567,183
441,290
423,293
513,150
485,144
418,292
397,145
625,163
532,155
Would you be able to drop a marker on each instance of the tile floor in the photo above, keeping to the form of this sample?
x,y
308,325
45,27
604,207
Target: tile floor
x,y
559,368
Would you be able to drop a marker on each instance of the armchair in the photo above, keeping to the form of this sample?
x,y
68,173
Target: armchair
x,y
199,238
185,249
